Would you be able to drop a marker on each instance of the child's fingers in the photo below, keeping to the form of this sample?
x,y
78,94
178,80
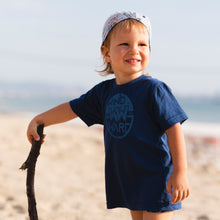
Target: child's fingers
x,y
179,195
32,137
32,134
32,131
175,196
36,136
187,193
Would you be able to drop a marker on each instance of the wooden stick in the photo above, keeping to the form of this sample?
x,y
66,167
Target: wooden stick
x,y
29,164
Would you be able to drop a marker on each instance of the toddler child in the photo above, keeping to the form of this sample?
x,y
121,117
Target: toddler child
x,y
145,156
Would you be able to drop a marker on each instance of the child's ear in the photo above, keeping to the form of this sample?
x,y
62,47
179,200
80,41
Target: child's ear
x,y
105,53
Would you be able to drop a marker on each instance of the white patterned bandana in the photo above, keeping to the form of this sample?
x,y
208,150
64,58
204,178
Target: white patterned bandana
x,y
120,16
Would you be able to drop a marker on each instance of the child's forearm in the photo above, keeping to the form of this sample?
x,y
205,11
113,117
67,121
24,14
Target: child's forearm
x,y
177,147
58,114
177,185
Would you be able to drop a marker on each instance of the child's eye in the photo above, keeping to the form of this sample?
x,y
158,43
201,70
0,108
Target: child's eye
x,y
124,44
143,45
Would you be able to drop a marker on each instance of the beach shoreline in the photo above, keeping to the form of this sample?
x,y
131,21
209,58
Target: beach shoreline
x,y
69,178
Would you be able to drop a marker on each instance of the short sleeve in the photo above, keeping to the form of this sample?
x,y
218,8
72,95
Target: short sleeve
x,y
166,109
88,107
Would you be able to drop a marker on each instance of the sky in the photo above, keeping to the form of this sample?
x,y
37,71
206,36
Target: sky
x,y
58,42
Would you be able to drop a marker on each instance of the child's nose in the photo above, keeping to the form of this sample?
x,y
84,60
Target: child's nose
x,y
133,49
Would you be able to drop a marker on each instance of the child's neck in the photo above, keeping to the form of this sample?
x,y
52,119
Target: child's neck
x,y
123,79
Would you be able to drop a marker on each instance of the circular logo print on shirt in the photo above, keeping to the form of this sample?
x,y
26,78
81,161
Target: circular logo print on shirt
x,y
119,115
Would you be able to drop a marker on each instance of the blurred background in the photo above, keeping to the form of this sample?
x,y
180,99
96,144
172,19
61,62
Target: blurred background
x,y
49,51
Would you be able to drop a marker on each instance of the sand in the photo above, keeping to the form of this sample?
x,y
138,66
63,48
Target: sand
x,y
69,180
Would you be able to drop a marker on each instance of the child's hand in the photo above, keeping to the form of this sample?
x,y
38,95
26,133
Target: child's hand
x,y
178,187
32,132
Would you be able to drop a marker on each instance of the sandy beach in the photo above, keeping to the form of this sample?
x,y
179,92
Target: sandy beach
x,y
69,180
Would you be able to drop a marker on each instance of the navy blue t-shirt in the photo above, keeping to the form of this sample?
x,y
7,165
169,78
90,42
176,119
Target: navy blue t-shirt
x,y
135,116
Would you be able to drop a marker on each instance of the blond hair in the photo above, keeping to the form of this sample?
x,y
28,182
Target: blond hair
x,y
125,25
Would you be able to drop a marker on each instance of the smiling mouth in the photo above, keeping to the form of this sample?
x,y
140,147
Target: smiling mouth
x,y
132,61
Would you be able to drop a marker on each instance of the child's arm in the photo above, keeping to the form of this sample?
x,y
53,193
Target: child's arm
x,y
59,114
177,184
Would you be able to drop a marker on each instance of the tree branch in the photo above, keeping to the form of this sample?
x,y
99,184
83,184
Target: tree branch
x,y
30,164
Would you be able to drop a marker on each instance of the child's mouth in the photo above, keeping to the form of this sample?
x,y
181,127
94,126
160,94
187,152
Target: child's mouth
x,y
132,61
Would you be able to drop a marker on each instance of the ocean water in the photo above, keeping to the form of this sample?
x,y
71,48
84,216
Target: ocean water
x,y
33,97
37,97
201,109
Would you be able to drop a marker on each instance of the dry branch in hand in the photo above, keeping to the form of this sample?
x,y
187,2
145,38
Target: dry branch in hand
x,y
30,164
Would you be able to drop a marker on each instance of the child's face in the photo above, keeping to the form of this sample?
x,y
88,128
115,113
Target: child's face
x,y
128,52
